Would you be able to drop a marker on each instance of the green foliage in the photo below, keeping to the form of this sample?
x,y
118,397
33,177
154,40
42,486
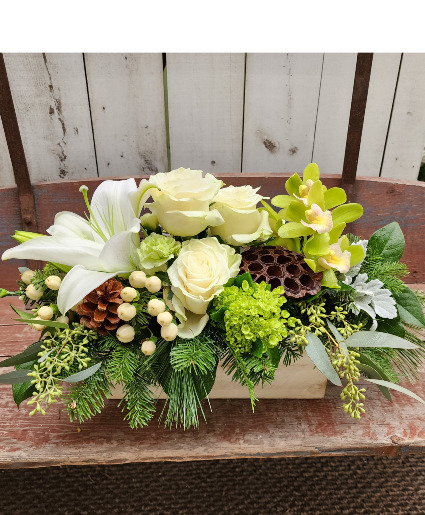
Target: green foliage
x,y
389,272
49,296
382,358
139,402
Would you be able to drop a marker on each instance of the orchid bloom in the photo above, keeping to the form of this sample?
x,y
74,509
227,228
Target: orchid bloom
x,y
98,248
320,221
304,191
336,259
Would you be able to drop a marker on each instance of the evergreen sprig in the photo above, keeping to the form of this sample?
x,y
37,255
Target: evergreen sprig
x,y
389,272
139,402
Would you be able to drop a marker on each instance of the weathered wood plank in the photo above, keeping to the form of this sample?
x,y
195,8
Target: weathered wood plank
x,y
403,152
205,102
281,98
50,96
6,171
333,111
380,98
127,105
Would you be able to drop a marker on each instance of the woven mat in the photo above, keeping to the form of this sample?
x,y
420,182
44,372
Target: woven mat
x,y
339,485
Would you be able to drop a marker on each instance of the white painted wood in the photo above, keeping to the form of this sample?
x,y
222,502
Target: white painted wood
x,y
382,85
127,105
301,380
50,96
403,152
334,111
281,98
6,172
205,101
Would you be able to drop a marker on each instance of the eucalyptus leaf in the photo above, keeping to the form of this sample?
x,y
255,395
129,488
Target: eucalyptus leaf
x,y
23,314
29,354
15,377
47,323
409,308
397,387
84,374
388,242
22,269
338,336
392,326
377,339
23,391
318,355
372,373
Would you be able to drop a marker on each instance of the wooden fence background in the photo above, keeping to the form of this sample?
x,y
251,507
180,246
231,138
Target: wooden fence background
x,y
89,115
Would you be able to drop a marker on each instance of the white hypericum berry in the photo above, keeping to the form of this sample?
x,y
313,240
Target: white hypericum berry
x,y
128,294
155,307
63,319
126,311
45,313
164,318
153,284
169,332
27,276
137,279
125,333
53,282
148,347
38,327
32,292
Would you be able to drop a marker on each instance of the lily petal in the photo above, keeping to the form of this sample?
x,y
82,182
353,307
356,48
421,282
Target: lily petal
x,y
118,251
69,224
77,283
139,197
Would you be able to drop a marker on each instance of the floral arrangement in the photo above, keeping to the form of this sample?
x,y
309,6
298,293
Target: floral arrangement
x,y
158,294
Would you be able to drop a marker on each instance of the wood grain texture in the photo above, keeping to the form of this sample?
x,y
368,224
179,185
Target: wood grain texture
x,y
333,112
6,171
281,98
205,102
406,136
127,105
50,96
382,86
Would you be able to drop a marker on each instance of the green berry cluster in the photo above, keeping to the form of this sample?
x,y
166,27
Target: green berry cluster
x,y
253,313
339,315
64,353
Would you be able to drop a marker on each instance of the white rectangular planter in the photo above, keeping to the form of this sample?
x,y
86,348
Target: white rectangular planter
x,y
301,380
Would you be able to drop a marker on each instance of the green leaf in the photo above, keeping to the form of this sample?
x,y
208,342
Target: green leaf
x,y
29,354
47,323
218,316
257,348
372,373
15,377
23,314
282,200
274,355
335,233
318,355
346,213
294,230
334,197
311,172
392,326
388,242
318,245
315,195
293,184
84,374
23,391
377,339
410,308
244,277
357,254
394,386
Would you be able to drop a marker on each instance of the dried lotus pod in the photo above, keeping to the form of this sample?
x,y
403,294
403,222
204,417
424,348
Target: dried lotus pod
x,y
281,267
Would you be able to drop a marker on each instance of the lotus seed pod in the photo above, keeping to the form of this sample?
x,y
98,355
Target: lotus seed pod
x,y
53,282
125,333
38,327
153,284
32,292
155,307
126,311
164,318
45,313
149,221
169,332
27,276
63,319
148,347
137,279
128,294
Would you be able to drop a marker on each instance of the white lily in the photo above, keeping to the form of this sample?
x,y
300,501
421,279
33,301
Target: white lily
x,y
98,248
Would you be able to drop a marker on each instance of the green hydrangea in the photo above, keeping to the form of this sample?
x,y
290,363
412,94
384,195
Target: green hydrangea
x,y
155,250
253,313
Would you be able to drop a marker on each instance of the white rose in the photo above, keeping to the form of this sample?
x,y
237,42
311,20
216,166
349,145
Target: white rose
x,y
243,223
182,201
199,273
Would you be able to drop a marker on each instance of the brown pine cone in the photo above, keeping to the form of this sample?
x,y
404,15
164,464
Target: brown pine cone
x,y
281,267
99,308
